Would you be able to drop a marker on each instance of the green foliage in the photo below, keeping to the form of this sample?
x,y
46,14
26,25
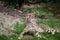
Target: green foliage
x,y
37,38
49,22
41,11
19,28
58,18
13,37
27,9
11,4
33,38
24,38
4,37
56,36
9,37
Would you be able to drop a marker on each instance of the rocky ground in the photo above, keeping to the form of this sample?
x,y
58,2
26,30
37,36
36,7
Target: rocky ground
x,y
8,17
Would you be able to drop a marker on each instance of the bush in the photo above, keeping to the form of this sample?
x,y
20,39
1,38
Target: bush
x,y
11,4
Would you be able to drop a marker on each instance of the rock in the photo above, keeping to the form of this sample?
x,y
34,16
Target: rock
x,y
6,22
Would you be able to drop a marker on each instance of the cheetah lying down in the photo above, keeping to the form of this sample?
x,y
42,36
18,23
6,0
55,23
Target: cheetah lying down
x,y
36,29
31,26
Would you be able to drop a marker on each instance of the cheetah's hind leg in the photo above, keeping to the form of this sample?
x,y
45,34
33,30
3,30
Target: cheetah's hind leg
x,y
21,35
38,35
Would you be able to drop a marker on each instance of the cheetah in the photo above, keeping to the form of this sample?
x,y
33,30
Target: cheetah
x,y
31,28
35,28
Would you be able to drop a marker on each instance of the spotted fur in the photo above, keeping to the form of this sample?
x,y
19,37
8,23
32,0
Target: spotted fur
x,y
32,26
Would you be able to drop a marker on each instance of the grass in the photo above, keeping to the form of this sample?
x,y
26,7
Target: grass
x,y
19,28
17,31
37,38
56,36
3,37
27,9
11,4
33,38
41,11
10,37
47,36
13,37
58,18
49,22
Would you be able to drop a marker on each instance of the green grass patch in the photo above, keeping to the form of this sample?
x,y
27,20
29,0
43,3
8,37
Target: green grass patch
x,y
56,36
19,28
27,9
13,37
4,37
49,22
9,37
41,11
37,38
58,18
24,38
33,38
11,4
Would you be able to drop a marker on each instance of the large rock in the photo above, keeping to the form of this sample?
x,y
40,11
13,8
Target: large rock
x,y
8,17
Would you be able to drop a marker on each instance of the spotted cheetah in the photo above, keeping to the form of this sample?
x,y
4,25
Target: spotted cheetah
x,y
35,28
